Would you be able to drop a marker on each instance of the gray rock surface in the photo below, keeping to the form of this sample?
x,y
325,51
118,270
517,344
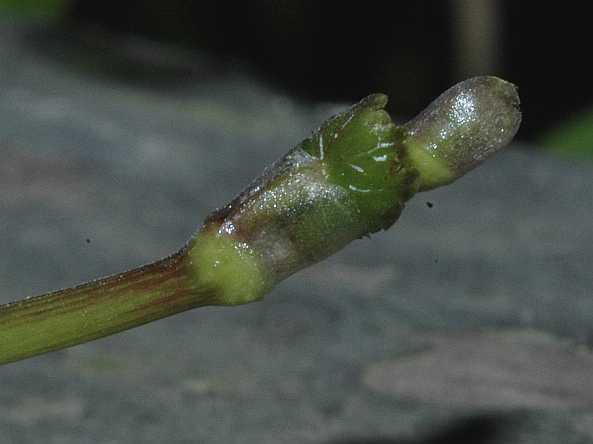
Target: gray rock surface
x,y
470,321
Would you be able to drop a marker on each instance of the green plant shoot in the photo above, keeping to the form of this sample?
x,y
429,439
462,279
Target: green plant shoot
x,y
351,178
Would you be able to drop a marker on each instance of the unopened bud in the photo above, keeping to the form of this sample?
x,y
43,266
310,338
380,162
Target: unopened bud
x,y
461,128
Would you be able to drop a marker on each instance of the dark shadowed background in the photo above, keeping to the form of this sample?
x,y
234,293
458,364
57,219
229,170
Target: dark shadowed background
x,y
339,51
335,50
123,124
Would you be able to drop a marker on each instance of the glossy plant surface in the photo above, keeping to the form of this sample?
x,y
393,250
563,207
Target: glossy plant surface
x,y
351,178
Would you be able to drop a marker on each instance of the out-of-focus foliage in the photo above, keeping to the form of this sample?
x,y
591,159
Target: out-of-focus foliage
x,y
48,9
573,137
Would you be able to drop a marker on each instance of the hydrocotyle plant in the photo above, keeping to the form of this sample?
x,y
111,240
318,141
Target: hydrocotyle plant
x,y
351,178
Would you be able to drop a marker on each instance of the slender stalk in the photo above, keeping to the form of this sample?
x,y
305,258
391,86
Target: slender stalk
x,y
98,308
351,178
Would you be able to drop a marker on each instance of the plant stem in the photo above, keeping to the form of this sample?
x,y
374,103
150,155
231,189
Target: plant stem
x,y
351,178
98,308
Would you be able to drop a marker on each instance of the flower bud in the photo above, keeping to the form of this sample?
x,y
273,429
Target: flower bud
x,y
461,128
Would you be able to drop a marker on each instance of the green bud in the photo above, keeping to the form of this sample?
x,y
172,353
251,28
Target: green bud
x,y
461,128
362,151
351,178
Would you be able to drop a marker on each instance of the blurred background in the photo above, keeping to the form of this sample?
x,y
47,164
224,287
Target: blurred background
x,y
337,51
124,123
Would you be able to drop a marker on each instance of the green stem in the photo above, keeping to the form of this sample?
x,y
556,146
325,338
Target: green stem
x,y
351,178
99,308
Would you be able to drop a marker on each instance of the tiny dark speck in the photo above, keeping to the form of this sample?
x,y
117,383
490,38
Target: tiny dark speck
x,y
88,241
429,204
436,261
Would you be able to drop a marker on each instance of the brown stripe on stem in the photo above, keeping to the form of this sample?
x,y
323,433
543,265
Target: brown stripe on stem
x,y
99,308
